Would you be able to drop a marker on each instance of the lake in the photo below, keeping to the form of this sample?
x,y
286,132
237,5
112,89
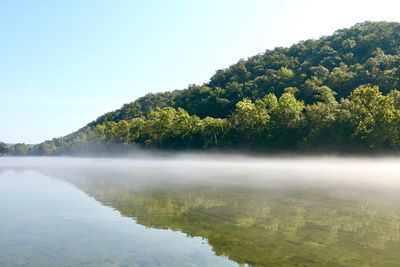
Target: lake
x,y
199,210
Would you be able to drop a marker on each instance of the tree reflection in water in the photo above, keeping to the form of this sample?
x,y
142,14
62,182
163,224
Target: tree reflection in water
x,y
263,225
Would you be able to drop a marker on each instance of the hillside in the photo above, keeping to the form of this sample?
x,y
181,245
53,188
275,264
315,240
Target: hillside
x,y
334,93
368,53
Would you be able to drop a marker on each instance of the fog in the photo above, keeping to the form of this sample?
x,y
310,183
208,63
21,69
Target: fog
x,y
233,169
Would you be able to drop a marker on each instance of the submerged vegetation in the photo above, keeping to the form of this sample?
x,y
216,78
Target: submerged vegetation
x,y
337,93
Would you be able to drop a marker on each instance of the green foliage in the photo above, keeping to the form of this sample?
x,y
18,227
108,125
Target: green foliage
x,y
214,131
367,119
321,119
286,122
378,118
171,128
4,149
19,149
249,121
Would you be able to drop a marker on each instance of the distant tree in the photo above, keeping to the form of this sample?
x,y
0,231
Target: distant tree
x,y
19,149
4,149
46,148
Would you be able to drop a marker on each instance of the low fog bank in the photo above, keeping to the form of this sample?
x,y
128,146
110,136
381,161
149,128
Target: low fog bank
x,y
217,167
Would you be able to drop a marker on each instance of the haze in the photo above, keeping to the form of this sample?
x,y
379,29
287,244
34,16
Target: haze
x,y
222,169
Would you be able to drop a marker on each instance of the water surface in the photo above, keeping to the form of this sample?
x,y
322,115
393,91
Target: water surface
x,y
199,211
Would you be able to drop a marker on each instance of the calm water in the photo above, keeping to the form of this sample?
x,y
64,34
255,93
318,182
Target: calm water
x,y
199,211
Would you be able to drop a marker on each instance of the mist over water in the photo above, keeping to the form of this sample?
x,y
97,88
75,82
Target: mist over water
x,y
200,210
383,171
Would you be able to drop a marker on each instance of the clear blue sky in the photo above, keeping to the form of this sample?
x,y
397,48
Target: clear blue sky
x,y
64,63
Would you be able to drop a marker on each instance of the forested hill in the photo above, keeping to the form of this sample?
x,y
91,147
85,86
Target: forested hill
x,y
368,53
334,93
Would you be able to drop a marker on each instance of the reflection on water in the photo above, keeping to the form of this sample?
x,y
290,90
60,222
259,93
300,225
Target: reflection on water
x,y
256,212
46,222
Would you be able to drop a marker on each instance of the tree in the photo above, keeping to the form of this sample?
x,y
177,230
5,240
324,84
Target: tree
x,y
395,95
320,119
170,128
214,131
249,121
286,121
4,149
19,149
378,118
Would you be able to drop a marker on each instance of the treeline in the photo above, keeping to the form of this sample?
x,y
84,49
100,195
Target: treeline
x,y
364,121
14,150
84,141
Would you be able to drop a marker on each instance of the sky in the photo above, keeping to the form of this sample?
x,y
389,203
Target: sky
x,y
64,63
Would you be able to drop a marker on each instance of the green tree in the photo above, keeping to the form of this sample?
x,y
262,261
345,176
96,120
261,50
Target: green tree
x,y
19,149
4,149
320,120
169,127
214,131
377,117
286,122
249,121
